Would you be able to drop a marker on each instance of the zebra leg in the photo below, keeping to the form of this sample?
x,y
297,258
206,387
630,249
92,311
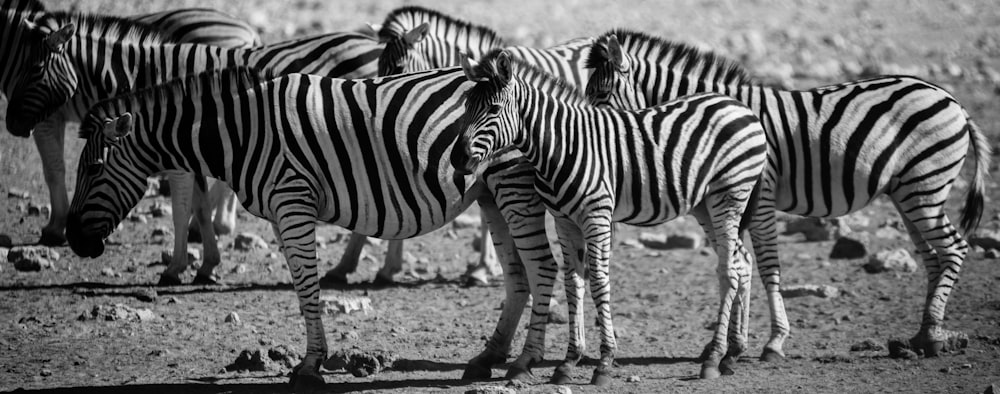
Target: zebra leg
x,y
571,240
598,236
764,234
49,135
209,241
706,226
488,265
943,251
739,317
181,191
348,261
517,292
393,263
296,225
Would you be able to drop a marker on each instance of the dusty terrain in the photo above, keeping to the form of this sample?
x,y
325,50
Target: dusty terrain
x,y
664,300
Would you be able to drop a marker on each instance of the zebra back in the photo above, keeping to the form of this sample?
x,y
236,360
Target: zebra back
x,y
203,26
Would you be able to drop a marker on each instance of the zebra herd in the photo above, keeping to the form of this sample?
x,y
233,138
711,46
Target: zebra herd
x,y
624,127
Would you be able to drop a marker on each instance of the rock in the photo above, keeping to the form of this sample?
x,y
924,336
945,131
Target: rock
x,y
887,232
249,241
986,239
466,221
992,254
45,372
239,269
161,231
673,241
18,193
145,294
344,304
866,346
370,363
815,229
632,243
109,272
284,356
118,312
350,335
152,187
5,241
32,258
233,317
491,390
556,313
137,218
849,247
39,209
891,260
3,256
900,348
160,210
633,379
250,360
823,291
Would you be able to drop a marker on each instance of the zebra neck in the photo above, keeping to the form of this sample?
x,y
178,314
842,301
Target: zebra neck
x,y
554,130
13,44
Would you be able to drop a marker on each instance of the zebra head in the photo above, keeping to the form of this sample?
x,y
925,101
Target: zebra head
x,y
401,55
490,122
611,82
107,183
44,59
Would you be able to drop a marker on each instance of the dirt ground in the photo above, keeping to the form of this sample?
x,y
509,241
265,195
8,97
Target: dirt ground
x,y
664,301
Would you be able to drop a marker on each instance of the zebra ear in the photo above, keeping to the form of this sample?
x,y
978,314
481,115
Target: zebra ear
x,y
614,53
502,66
416,35
472,70
56,40
118,127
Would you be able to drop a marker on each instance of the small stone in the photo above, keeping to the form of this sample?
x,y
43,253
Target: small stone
x,y
632,379
137,218
32,258
888,233
152,187
3,256
350,335
6,241
160,210
161,231
249,360
284,355
986,239
653,240
18,193
145,294
239,269
814,229
822,291
556,314
992,254
145,315
632,243
492,389
233,317
45,372
249,241
39,209
891,260
466,221
344,304
108,272
849,247
362,364
867,345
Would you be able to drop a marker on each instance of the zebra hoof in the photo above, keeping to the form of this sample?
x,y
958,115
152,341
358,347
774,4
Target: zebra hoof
x,y
771,356
560,378
709,372
380,281
334,277
204,280
52,238
167,280
932,348
518,373
477,372
601,378
726,366
307,383
472,281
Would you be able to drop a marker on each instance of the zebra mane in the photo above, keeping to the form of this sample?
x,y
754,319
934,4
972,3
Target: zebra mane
x,y
670,52
231,79
535,76
109,28
405,18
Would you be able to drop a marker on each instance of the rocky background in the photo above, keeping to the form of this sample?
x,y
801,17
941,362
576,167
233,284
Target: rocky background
x,y
851,285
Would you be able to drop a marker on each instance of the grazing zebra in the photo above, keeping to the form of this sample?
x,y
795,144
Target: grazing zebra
x,y
420,39
123,57
700,155
49,139
369,155
833,149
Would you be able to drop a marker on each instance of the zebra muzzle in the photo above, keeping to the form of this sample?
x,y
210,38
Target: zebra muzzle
x,y
82,244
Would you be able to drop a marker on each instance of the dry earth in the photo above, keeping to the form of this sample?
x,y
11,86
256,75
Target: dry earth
x,y
664,300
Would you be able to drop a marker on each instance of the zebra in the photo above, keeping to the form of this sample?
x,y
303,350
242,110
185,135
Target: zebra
x,y
699,155
833,150
136,57
419,39
201,25
369,155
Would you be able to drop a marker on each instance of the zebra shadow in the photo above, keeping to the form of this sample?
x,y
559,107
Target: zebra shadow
x,y
216,387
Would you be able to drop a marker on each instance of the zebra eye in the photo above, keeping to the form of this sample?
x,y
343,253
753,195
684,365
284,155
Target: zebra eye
x,y
94,168
493,109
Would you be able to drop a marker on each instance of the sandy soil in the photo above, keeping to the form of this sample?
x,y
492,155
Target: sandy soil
x,y
664,300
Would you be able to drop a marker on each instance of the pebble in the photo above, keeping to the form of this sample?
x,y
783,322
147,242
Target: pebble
x,y
633,379
284,355
109,272
233,317
688,240
822,291
117,312
250,360
32,258
3,256
849,247
491,390
159,210
161,231
466,221
867,345
814,229
39,209
18,193
891,260
249,241
239,269
341,304
986,239
145,294
45,372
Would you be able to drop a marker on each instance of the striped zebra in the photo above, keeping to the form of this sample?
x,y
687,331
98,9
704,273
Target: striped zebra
x,y
200,25
369,155
699,155
106,58
833,149
420,39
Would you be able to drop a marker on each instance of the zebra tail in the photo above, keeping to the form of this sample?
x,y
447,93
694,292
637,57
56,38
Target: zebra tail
x,y
974,200
751,210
